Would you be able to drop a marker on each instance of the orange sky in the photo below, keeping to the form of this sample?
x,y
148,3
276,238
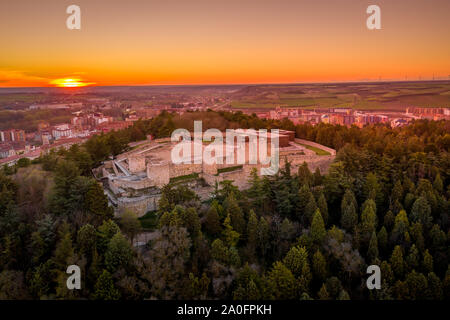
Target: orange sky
x,y
137,42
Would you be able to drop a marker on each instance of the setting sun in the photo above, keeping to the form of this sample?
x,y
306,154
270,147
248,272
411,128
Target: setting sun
x,y
70,83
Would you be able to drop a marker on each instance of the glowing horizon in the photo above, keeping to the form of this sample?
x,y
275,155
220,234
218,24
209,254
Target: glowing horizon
x,y
221,42
70,83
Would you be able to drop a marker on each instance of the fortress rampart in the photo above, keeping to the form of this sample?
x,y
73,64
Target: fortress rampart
x,y
133,180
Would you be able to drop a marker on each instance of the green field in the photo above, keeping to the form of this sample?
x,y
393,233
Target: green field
x,y
12,98
318,151
363,96
187,177
229,169
252,105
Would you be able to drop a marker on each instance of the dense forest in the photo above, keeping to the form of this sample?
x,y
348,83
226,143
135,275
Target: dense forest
x,y
296,235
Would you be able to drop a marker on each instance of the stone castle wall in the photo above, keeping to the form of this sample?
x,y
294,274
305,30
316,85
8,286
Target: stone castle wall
x,y
130,184
135,194
321,162
158,173
209,168
136,164
313,144
114,188
140,205
178,170
240,177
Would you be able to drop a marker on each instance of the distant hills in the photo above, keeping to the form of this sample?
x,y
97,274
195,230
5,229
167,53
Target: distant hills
x,y
358,95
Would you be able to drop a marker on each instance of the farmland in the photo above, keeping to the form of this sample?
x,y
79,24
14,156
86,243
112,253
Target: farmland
x,y
363,96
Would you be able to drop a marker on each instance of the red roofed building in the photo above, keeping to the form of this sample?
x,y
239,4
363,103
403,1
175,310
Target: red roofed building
x,y
6,150
13,159
62,143
13,135
114,126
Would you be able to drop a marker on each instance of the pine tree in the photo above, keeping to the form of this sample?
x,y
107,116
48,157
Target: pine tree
x,y
38,248
252,232
191,222
97,204
104,288
119,253
86,239
234,258
382,239
304,196
310,209
336,182
397,262
287,230
317,231
427,261
317,177
64,251
397,192
305,297
417,285
219,251
343,295
412,259
421,211
255,192
349,215
323,293
66,175
434,289
334,286
263,236
387,273
281,282
416,232
401,225
368,220
372,252
231,237
438,184
319,266
323,207
296,260
252,291
233,210
95,269
130,224
304,175
105,233
248,284
212,222
349,198
372,188
388,221
283,200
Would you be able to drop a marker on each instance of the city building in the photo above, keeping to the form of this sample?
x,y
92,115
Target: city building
x,y
113,126
12,135
55,106
61,130
6,150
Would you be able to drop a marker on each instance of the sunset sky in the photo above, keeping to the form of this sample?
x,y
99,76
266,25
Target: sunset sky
x,y
147,42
